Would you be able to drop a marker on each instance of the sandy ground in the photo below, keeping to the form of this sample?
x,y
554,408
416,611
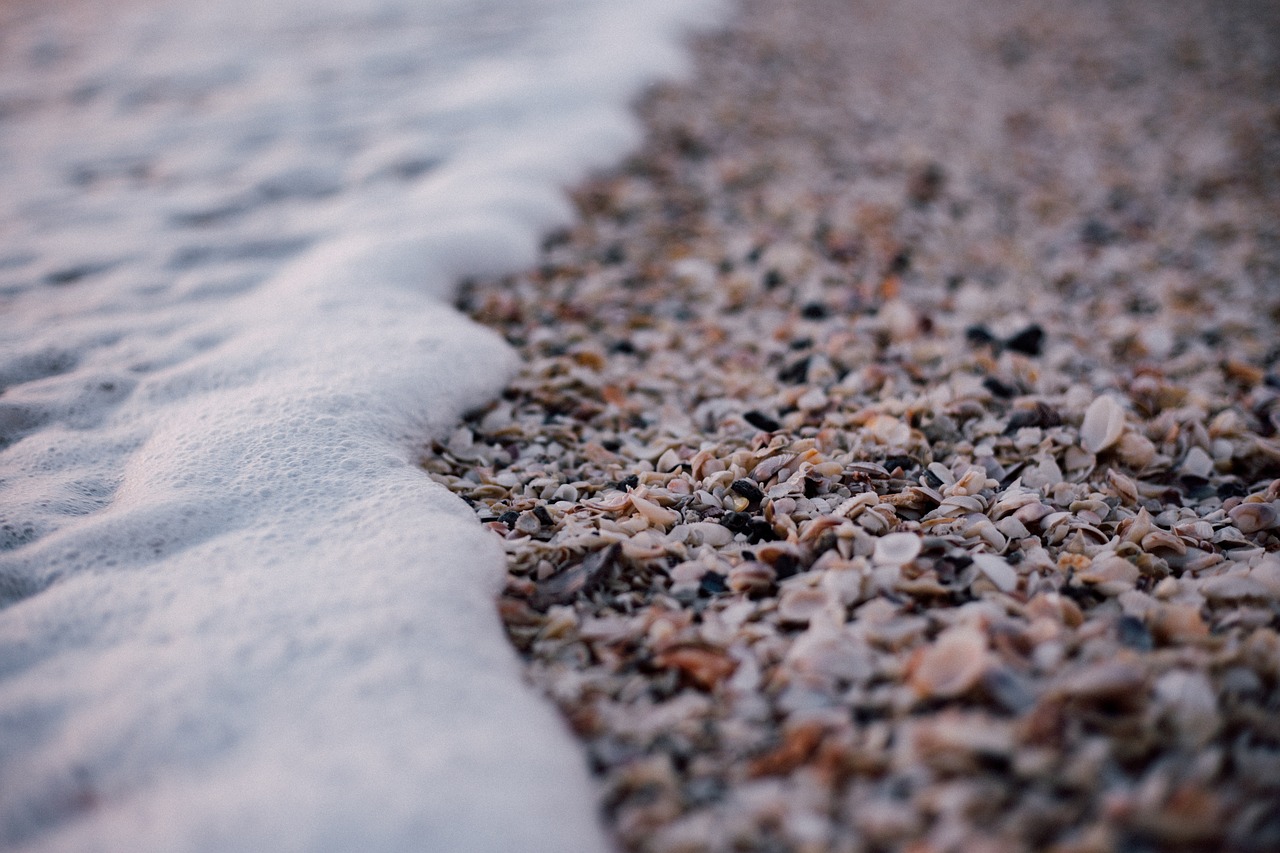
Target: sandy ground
x,y
895,463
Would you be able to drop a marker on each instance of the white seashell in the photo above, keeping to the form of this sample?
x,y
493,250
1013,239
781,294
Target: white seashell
x,y
1197,463
1103,424
654,514
800,604
997,570
897,549
1233,588
709,533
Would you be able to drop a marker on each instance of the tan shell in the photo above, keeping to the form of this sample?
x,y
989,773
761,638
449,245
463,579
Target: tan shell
x,y
951,666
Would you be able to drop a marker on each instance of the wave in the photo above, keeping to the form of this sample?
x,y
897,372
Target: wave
x,y
235,615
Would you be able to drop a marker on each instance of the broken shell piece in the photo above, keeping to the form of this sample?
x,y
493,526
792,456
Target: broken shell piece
x,y
751,578
1103,424
1111,679
654,514
1197,463
951,666
1177,623
703,666
800,604
1233,588
897,549
1252,517
1111,574
1136,450
575,581
997,570
1188,698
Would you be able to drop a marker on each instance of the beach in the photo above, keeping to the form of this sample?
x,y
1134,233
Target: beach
x,y
235,614
893,463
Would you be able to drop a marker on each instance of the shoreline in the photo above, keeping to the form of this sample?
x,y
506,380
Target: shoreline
x,y
895,460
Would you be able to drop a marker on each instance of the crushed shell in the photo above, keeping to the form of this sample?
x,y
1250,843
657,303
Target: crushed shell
x,y
894,464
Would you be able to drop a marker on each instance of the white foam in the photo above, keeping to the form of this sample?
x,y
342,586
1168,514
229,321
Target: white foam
x,y
238,617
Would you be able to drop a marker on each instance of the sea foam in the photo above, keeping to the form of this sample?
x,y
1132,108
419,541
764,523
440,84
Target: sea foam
x,y
235,614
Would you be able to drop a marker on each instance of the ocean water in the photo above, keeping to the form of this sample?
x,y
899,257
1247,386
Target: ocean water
x,y
233,613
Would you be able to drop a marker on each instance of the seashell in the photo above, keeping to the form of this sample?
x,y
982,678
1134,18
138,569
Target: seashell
x,y
668,461
702,665
766,470
874,522
1174,624
984,530
853,506
973,481
1189,699
997,570
1197,530
873,470
812,400
1111,574
1158,539
1011,528
915,498
800,604
951,666
752,578
1012,499
1267,573
888,430
832,655
1057,607
1124,486
1103,424
644,545
565,492
897,549
1227,423
958,505
942,472
1133,529
1104,680
1252,517
654,514
811,530
1197,463
576,580
1045,474
958,742
1233,588
1136,450
614,501
1033,512
708,533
